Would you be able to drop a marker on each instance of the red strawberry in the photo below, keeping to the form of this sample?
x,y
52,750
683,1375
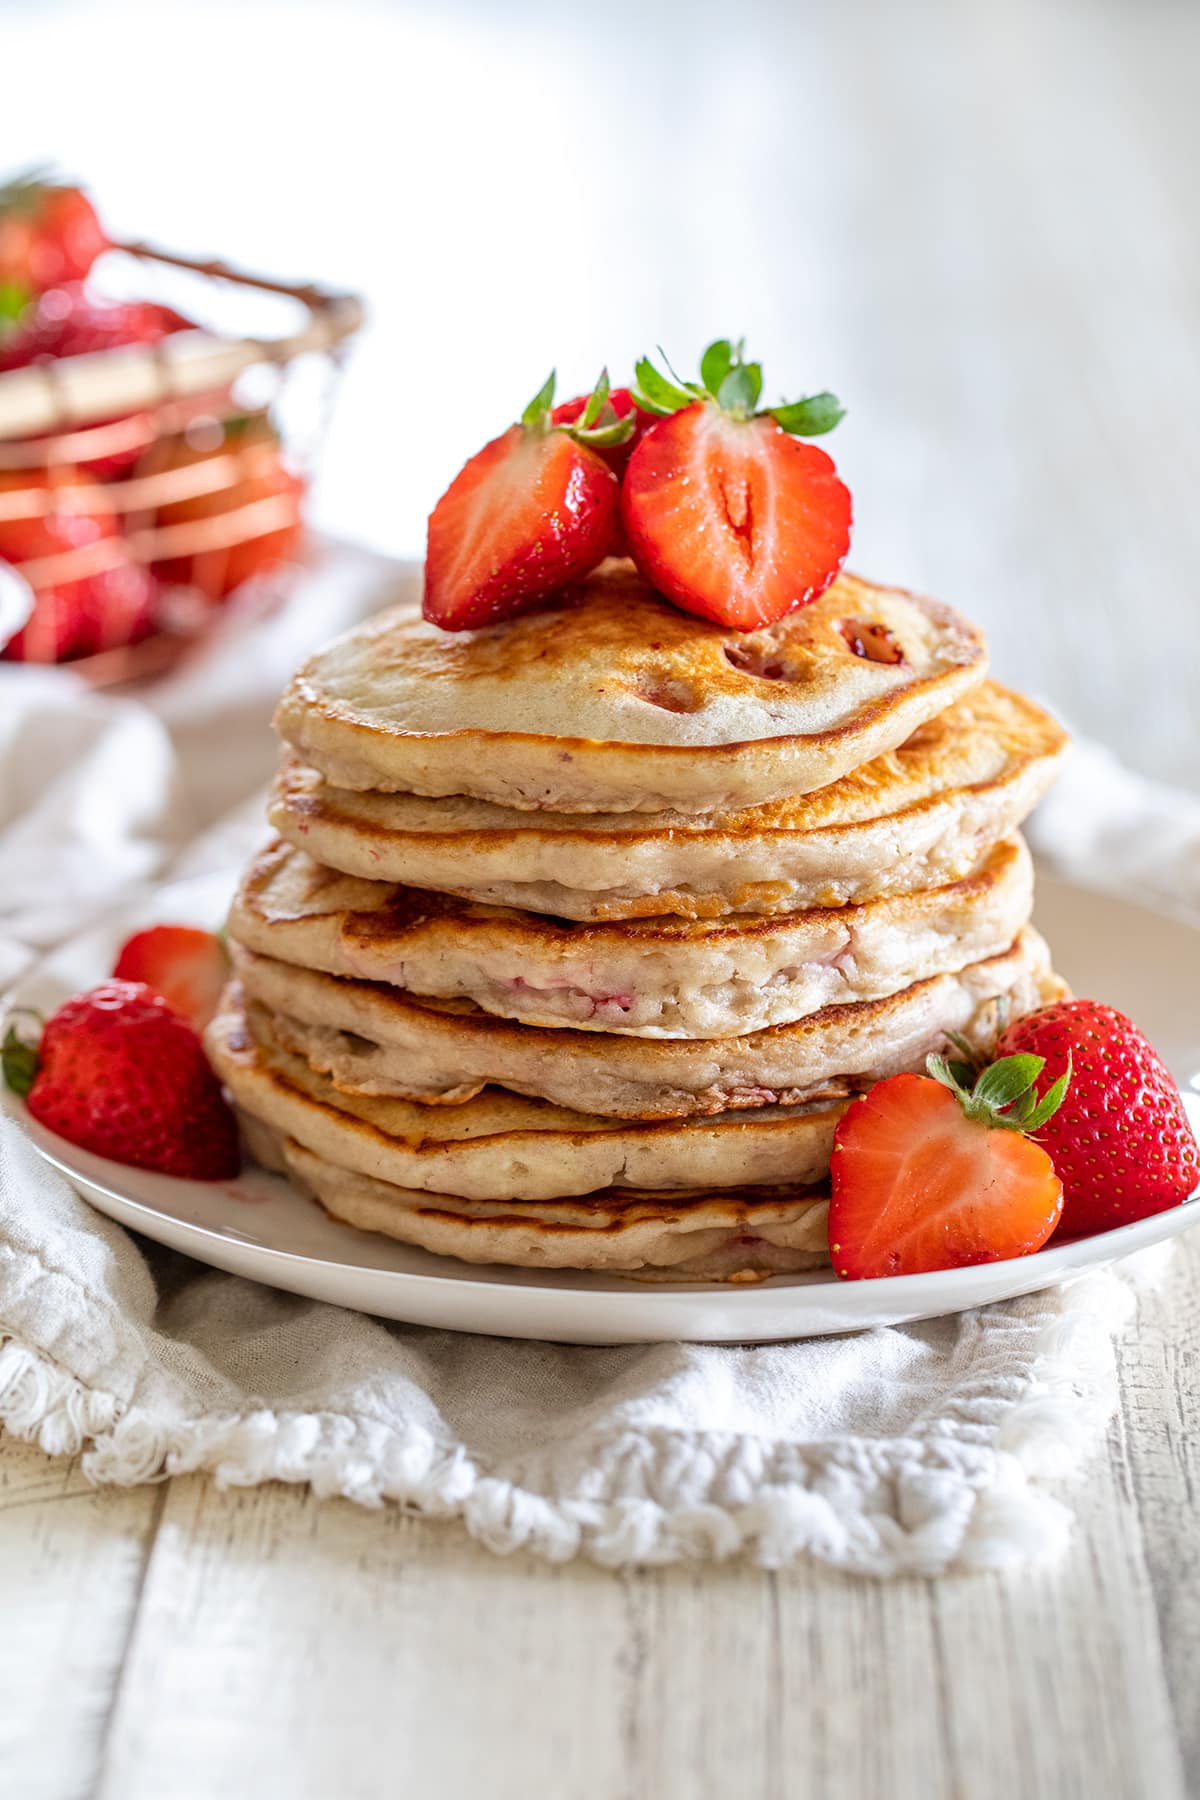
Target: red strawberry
x,y
65,321
926,1175
725,512
61,532
49,233
188,967
535,509
251,479
120,1074
1121,1141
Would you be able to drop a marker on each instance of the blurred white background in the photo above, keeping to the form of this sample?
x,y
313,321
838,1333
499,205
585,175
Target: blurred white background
x,y
974,219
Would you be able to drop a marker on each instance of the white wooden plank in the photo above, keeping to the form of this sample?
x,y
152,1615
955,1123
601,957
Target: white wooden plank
x,y
286,1648
1157,1450
71,1561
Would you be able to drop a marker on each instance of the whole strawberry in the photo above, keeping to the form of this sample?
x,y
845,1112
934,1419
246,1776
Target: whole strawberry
x,y
1120,1142
49,233
62,535
120,1074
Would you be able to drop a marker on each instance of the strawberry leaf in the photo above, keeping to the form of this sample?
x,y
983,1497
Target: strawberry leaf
x,y
715,365
19,1059
654,393
605,435
940,1069
535,413
597,400
812,417
1050,1101
13,300
1005,1081
740,390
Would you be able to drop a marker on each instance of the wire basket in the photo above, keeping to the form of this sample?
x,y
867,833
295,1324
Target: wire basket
x,y
180,466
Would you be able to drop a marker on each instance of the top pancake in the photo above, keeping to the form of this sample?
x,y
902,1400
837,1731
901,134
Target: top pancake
x,y
614,700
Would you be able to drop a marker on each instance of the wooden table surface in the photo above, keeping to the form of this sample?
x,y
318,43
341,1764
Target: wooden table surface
x,y
981,220
179,1643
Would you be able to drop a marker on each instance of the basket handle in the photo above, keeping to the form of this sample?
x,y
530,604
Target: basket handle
x,y
78,390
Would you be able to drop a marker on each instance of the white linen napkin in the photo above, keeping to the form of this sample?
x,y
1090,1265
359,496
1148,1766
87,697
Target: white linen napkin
x,y
919,1449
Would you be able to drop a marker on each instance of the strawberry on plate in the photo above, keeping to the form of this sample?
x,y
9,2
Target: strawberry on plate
x,y
725,511
186,966
1121,1141
62,536
49,233
533,510
118,1073
929,1174
68,321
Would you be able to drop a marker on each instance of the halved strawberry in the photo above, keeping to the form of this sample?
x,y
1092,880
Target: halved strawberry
x,y
725,512
928,1175
187,966
535,509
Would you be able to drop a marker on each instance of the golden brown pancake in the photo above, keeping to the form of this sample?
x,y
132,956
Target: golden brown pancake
x,y
500,1146
915,817
665,977
373,1039
613,700
700,1234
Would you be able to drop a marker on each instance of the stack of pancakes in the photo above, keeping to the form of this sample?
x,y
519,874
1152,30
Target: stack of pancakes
x,y
581,930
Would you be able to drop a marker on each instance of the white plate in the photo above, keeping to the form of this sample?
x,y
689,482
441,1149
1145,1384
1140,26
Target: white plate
x,y
260,1227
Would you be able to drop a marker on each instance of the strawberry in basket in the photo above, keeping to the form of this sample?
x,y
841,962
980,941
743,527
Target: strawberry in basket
x,y
49,233
68,321
61,534
230,506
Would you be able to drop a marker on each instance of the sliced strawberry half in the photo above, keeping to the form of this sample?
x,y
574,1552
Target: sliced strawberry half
x,y
927,1174
186,966
725,511
535,509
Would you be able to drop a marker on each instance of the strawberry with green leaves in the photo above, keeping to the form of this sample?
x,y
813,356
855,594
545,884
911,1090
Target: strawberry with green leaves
x,y
533,510
940,1170
726,512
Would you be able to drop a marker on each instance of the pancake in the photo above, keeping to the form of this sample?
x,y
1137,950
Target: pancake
x,y
691,1235
613,700
501,1146
914,817
664,978
372,1039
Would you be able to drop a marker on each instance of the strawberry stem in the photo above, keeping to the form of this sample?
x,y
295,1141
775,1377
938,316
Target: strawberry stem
x,y
1005,1093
